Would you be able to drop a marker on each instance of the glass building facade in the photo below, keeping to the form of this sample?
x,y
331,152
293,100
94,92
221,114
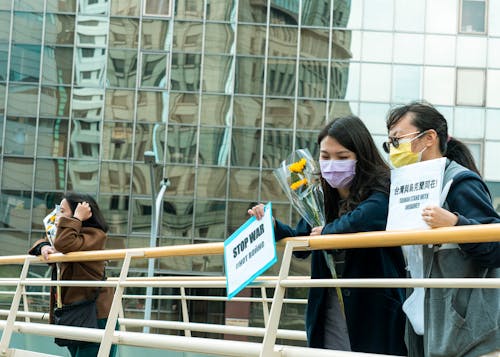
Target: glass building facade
x,y
221,91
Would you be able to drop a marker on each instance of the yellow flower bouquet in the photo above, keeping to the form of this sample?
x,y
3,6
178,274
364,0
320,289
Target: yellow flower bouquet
x,y
299,177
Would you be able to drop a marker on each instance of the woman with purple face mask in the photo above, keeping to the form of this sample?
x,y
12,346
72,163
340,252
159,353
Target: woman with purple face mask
x,y
355,182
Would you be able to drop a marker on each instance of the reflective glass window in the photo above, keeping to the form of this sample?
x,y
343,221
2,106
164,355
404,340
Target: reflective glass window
x,y
473,16
4,55
215,110
492,131
210,223
20,136
57,65
352,86
493,56
83,176
115,177
221,10
122,68
245,147
2,101
49,175
6,5
491,167
243,184
247,12
314,43
185,72
470,86
251,40
317,13
17,173
471,51
59,29
157,7
27,27
154,68
313,79
119,105
147,135
52,138
28,5
378,15
85,139
494,18
22,100
25,63
375,82
406,83
410,15
493,88
440,50
55,101
184,108
155,34
408,48
272,192
339,79
126,8
377,46
5,24
182,179
123,33
218,74
310,114
189,9
281,76
249,75
89,66
214,146
276,146
219,38
469,123
181,144
211,182
439,85
117,141
373,115
247,111
279,113
283,41
151,106
188,36
87,104
441,16
287,16
62,6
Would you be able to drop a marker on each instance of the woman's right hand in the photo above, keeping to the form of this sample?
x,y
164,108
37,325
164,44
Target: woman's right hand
x,y
46,250
257,211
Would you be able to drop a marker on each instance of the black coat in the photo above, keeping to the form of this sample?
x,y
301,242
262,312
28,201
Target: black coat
x,y
375,319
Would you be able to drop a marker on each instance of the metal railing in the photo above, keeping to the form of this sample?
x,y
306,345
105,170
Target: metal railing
x,y
272,307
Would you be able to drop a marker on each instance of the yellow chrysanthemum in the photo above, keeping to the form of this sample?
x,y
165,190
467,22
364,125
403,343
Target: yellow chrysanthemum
x,y
53,218
297,184
298,166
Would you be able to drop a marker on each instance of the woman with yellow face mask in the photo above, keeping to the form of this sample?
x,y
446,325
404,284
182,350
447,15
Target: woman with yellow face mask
x,y
457,322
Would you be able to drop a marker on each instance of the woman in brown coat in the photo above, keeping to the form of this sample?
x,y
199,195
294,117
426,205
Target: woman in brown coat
x,y
80,227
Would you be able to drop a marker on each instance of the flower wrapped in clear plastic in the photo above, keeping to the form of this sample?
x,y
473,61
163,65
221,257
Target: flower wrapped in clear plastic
x,y
50,226
299,177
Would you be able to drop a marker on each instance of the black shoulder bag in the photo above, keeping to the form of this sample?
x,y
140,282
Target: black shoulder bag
x,y
79,314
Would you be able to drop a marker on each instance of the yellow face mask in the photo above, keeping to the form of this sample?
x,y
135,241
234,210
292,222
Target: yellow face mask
x,y
402,155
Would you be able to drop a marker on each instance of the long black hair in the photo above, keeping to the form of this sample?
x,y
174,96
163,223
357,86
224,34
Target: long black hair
x,y
97,219
372,172
426,117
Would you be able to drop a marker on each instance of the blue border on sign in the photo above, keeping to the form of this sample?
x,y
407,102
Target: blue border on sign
x,y
263,269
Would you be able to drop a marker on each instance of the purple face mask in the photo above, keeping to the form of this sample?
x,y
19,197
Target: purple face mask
x,y
338,173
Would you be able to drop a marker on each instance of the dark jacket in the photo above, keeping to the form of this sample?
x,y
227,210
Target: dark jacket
x,y
375,319
72,237
461,322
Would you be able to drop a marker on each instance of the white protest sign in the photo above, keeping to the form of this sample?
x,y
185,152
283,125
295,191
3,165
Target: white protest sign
x,y
413,187
249,252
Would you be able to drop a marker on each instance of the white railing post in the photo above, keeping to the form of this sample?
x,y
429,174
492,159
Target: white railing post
x,y
265,307
116,306
185,312
279,294
14,307
25,304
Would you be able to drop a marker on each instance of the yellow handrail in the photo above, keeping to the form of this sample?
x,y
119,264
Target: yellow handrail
x,y
460,234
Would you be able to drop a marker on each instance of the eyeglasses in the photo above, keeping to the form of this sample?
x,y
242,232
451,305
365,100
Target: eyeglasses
x,y
394,141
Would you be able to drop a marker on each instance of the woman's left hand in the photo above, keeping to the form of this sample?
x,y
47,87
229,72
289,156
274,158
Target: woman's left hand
x,y
436,217
316,231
